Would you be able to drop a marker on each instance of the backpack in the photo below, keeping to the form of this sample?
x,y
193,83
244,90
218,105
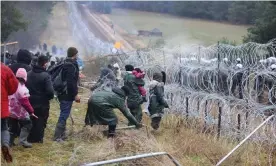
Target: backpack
x,y
59,85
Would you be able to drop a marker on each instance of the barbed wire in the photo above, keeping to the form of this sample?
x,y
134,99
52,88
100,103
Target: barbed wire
x,y
209,78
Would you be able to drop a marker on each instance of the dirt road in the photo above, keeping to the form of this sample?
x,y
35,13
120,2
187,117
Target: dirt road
x,y
100,25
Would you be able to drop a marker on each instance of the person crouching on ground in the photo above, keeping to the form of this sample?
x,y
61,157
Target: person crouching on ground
x,y
100,109
139,74
157,103
21,110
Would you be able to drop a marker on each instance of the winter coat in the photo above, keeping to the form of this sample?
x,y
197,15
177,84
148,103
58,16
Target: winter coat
x,y
9,85
106,82
138,75
102,103
134,98
107,73
23,61
80,63
19,104
70,74
157,103
40,86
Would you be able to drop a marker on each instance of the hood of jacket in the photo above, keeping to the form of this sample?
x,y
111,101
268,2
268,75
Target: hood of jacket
x,y
119,92
155,83
24,57
38,69
158,77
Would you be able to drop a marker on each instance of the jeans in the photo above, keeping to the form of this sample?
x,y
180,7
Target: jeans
x,y
5,135
65,109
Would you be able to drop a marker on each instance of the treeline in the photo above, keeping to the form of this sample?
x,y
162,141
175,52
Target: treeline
x,y
101,6
260,14
237,12
24,21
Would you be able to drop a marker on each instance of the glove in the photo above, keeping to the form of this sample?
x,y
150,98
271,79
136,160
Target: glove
x,y
139,125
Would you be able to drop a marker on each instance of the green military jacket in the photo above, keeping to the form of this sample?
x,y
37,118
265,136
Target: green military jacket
x,y
102,103
134,98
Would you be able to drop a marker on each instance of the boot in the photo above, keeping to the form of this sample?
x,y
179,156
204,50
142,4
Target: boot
x,y
59,132
5,137
23,138
6,153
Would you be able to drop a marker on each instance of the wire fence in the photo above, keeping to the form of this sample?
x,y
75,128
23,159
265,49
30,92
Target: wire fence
x,y
205,86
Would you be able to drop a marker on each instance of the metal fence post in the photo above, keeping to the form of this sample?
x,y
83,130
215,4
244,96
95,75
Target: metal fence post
x,y
219,121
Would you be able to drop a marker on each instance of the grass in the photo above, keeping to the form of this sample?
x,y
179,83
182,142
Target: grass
x,y
187,145
177,30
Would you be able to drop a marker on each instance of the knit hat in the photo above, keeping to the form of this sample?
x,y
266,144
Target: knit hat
x,y
158,77
24,56
129,67
21,73
72,51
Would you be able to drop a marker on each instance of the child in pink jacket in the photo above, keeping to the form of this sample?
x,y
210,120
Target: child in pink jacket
x,y
138,73
20,111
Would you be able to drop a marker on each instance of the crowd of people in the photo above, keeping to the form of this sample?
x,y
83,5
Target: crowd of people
x,y
28,85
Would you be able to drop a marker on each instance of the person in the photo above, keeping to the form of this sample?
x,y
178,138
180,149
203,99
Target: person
x,y
117,72
139,74
107,78
54,49
21,109
9,85
134,99
100,109
157,103
80,63
70,74
237,78
24,59
41,91
52,65
45,47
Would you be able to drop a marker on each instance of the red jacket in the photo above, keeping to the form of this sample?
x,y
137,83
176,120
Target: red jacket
x,y
9,85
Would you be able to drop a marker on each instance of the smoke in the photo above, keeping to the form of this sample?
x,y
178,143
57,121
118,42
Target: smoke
x,y
83,35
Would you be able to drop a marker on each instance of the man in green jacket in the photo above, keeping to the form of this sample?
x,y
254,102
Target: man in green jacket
x,y
134,99
100,109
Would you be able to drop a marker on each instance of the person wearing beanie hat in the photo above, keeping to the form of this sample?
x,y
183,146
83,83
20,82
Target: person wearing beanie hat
x,y
129,68
134,99
157,101
70,75
101,107
24,58
21,109
72,52
41,90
